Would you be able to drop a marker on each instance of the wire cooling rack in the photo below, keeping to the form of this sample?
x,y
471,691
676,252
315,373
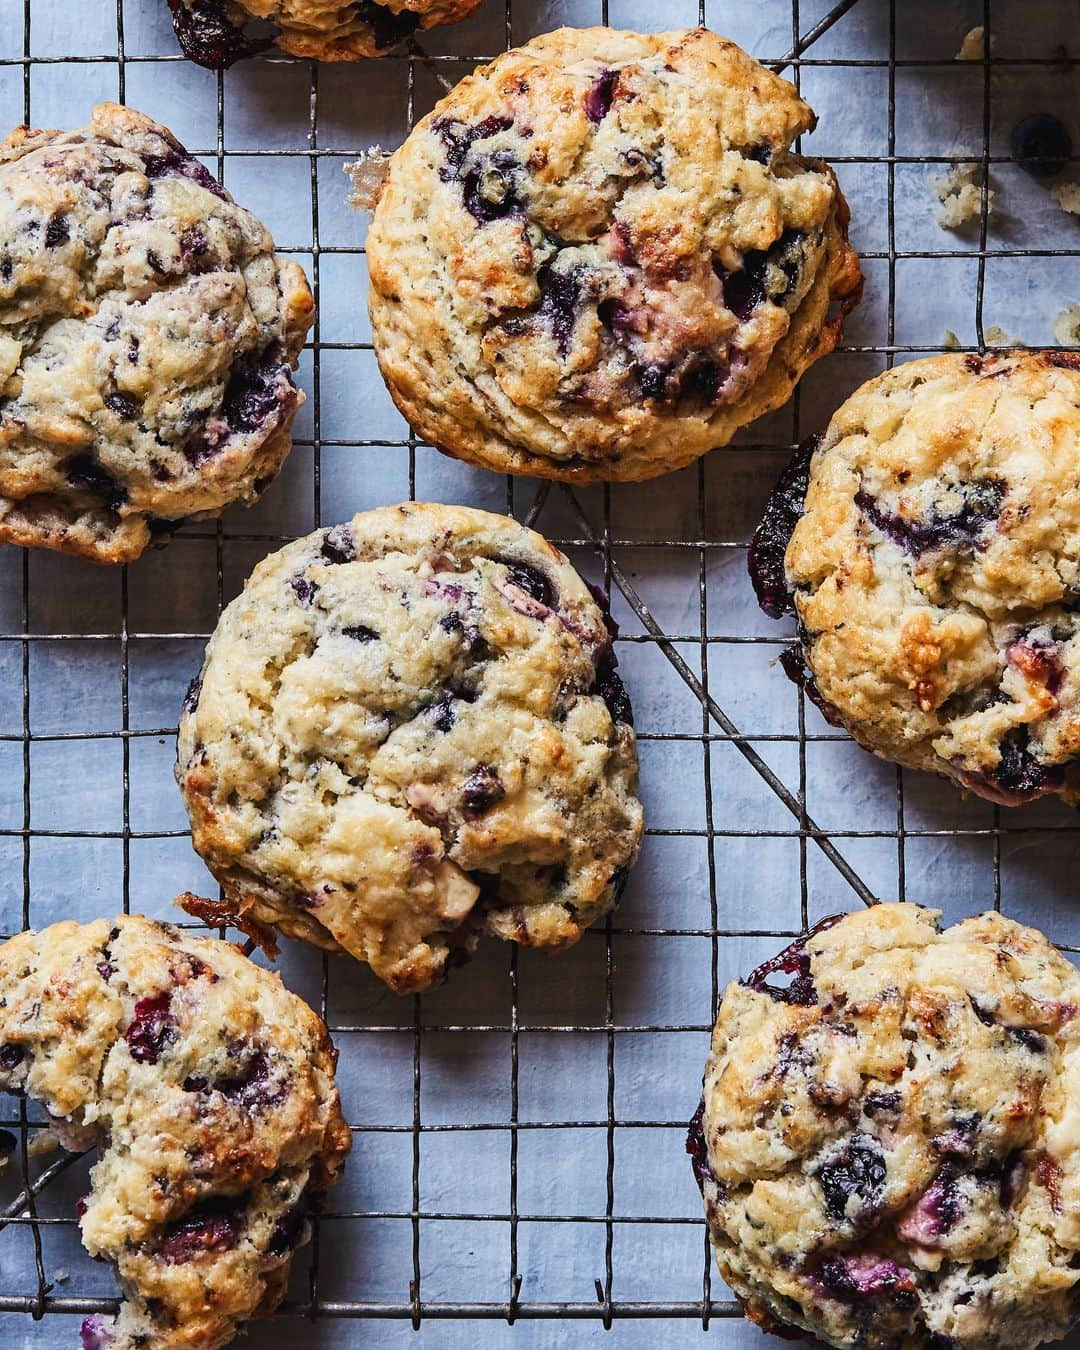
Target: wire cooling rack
x,y
518,1134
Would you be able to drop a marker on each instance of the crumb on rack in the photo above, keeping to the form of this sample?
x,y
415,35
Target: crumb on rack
x,y
368,173
1067,325
996,336
950,341
42,1143
959,190
1067,196
60,1277
973,47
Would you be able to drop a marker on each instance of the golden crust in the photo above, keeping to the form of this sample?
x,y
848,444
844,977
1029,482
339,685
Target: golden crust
x,y
210,1091
524,331
936,564
890,1152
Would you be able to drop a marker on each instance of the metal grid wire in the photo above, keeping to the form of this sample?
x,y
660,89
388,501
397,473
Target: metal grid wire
x,y
589,531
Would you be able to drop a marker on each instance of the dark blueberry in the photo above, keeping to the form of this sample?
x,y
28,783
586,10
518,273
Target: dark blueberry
x,y
179,162
1019,774
698,1148
528,578
388,27
106,970
156,265
194,247
248,1085
57,232
191,698
560,302
7,269
11,1056
94,1334
256,394
288,1232
882,1103
360,632
442,712
213,1226
339,545
83,471
598,99
490,188
793,663
8,1143
941,1205
702,379
768,547
303,588
612,690
1041,144
481,790
652,380
982,499
1013,1174
744,289
868,1276
458,138
612,314
196,1083
1023,1035
123,405
617,881
206,35
857,1169
760,154
793,960
150,1028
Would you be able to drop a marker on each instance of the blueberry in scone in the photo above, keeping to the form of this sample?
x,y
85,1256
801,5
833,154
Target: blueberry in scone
x,y
148,338
929,546
598,258
887,1141
215,33
408,731
208,1090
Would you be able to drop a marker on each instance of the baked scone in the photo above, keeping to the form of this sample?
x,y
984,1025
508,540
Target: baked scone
x,y
597,258
930,547
888,1145
211,32
209,1090
148,335
409,730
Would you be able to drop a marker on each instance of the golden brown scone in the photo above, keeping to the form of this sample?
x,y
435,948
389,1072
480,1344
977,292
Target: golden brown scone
x,y
597,258
209,1090
148,335
211,32
409,730
935,569
888,1146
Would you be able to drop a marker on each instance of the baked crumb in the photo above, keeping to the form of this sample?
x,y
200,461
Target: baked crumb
x,y
959,190
1067,325
973,47
950,341
42,1143
1067,196
996,336
367,174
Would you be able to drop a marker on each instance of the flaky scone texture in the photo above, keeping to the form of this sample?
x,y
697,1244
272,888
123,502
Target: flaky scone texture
x,y
211,32
889,1146
597,257
936,570
409,730
209,1090
148,334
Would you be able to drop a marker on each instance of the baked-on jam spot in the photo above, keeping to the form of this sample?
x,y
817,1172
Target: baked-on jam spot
x,y
857,1169
246,1086
698,1148
179,163
1024,1036
58,231
459,137
1019,776
765,560
83,471
94,1334
608,683
207,37
529,579
868,1276
793,960
302,588
254,395
1041,144
339,546
288,1232
793,663
1038,658
387,27
937,1210
745,287
11,1056
123,405
211,1227
882,1103
150,1028
598,99
982,499
560,302
360,632
481,790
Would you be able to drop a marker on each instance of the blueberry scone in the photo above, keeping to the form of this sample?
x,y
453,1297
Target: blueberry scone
x,y
409,730
148,335
930,548
208,1089
597,258
212,32
887,1144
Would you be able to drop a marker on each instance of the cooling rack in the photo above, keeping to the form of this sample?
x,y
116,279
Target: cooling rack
x,y
518,1173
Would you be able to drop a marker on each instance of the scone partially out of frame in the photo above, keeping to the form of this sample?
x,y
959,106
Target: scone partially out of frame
x,y
212,32
209,1090
930,548
597,257
148,338
887,1145
408,731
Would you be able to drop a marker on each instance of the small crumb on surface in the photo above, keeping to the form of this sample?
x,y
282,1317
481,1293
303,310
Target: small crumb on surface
x,y
996,336
368,173
1067,325
42,1143
973,47
1067,196
60,1277
950,341
959,190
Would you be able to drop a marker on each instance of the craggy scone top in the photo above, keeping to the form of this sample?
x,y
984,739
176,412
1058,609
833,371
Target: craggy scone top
x,y
209,1089
935,569
889,1146
408,729
211,32
148,333
597,258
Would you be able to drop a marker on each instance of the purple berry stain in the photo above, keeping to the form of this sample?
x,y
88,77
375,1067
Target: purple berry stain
x,y
94,1334
867,1275
962,529
150,1028
793,960
338,546
207,36
599,98
482,790
206,1229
